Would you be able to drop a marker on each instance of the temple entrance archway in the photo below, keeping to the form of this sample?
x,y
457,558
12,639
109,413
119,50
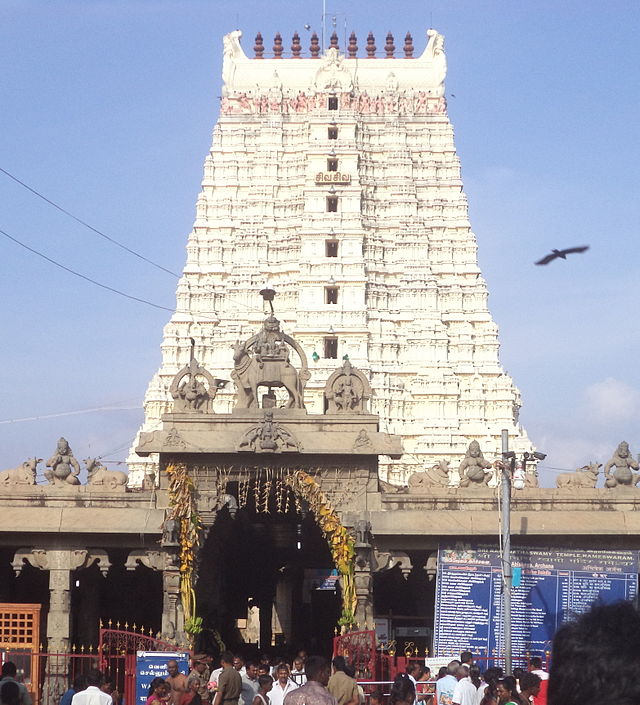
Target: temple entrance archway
x,y
267,580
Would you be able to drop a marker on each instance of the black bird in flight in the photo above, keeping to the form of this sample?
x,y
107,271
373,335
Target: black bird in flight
x,y
562,254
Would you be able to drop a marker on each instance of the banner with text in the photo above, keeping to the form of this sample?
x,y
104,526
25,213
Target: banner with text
x,y
554,584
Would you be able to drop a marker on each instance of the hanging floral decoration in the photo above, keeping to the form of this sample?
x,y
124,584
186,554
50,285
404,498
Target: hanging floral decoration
x,y
341,543
184,511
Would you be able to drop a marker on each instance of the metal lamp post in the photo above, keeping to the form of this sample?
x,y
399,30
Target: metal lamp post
x,y
508,465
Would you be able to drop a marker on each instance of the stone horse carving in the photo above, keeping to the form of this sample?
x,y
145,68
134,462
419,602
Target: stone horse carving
x,y
263,361
24,474
623,465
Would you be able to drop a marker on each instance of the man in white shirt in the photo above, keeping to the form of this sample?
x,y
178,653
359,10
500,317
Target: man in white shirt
x,y
92,695
415,671
535,666
465,693
445,686
282,686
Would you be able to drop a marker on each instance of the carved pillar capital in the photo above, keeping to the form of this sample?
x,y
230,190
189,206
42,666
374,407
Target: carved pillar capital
x,y
159,560
60,563
386,560
61,559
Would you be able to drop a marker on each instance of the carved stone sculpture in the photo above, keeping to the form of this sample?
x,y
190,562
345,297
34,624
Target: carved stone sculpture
x,y
473,468
193,387
347,391
586,476
268,437
623,463
170,533
64,467
24,474
437,476
362,443
263,361
98,475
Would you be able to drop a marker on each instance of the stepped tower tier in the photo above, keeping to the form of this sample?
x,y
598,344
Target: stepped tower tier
x,y
335,180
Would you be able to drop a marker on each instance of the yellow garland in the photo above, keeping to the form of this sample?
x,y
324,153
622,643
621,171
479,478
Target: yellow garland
x,y
340,541
184,512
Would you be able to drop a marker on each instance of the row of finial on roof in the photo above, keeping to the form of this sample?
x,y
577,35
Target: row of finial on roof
x,y
315,49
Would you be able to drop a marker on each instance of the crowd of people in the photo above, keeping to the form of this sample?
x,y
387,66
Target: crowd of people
x,y
306,681
462,682
587,651
236,682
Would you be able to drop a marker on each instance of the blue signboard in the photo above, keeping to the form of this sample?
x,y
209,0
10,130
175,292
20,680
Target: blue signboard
x,y
554,584
153,664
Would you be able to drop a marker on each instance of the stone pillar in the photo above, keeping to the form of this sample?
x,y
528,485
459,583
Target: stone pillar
x,y
363,576
60,563
165,560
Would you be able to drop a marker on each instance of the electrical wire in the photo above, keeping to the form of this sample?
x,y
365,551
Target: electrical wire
x,y
116,242
77,412
86,225
100,284
83,276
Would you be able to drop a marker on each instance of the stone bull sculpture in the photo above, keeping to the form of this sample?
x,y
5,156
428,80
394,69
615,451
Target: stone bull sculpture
x,y
24,474
586,476
99,475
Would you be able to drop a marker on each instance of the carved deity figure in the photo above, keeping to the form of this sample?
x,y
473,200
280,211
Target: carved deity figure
x,y
347,391
344,394
263,360
437,476
473,467
268,437
623,463
64,467
188,388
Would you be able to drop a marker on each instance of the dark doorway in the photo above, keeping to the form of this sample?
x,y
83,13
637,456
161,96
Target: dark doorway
x,y
265,580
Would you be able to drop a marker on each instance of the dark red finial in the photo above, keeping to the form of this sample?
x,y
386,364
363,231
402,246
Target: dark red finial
x,y
408,46
371,46
315,46
353,46
258,48
296,47
333,42
277,46
389,46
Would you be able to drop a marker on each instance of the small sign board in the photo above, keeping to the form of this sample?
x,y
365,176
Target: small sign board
x,y
153,664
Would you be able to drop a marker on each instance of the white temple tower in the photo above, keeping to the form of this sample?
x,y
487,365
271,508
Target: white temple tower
x,y
335,179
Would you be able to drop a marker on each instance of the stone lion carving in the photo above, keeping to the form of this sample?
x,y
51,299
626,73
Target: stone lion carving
x,y
99,475
24,474
586,476
473,468
623,463
437,476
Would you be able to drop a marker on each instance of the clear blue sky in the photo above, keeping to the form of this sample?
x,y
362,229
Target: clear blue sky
x,y
108,107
